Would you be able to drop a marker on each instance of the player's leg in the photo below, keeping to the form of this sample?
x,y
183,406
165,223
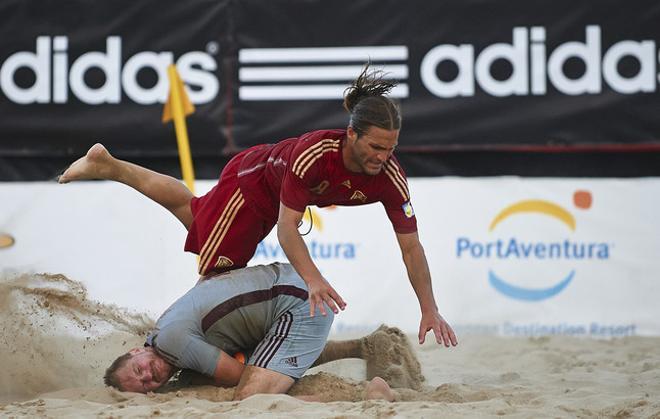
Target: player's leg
x,y
354,348
340,349
290,347
167,191
225,232
375,389
256,380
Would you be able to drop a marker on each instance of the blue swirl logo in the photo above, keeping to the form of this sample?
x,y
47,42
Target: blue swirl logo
x,y
540,207
513,248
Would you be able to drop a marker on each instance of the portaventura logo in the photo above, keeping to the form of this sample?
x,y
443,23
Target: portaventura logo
x,y
317,249
512,249
56,74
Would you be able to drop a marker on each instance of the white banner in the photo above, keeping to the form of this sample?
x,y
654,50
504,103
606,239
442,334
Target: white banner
x,y
507,255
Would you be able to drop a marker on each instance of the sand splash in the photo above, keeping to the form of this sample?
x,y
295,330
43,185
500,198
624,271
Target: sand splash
x,y
390,356
55,342
54,337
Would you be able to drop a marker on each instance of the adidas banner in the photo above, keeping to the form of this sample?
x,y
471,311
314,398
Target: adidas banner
x,y
471,75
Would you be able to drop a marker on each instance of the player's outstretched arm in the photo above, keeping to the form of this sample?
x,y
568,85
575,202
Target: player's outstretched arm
x,y
319,289
420,279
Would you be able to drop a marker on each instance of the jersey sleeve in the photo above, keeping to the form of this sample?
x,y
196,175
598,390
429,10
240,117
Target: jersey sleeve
x,y
183,348
396,199
201,356
304,168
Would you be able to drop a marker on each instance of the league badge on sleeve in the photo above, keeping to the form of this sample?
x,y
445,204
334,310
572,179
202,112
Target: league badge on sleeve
x,y
408,209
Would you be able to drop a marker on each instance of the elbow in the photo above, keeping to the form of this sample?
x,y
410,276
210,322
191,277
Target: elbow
x,y
280,231
283,229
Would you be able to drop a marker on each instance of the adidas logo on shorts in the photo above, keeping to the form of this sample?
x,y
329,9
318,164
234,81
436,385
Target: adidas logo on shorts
x,y
293,361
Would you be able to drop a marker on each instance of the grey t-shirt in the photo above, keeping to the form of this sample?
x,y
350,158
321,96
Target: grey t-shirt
x,y
230,312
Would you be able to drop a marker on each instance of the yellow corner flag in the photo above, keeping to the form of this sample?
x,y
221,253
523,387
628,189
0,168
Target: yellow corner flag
x,y
178,106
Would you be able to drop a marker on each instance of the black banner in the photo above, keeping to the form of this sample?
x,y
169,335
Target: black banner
x,y
76,72
473,75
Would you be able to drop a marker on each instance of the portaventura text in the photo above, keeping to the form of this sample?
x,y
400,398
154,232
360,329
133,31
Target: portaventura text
x,y
513,248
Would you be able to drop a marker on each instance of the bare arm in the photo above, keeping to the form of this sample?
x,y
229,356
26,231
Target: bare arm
x,y
294,247
420,279
227,372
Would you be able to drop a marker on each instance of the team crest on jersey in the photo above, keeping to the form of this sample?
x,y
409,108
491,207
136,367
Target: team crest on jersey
x,y
347,183
359,196
408,210
320,188
224,262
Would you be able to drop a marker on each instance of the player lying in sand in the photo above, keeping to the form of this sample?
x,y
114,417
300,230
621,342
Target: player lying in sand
x,y
262,311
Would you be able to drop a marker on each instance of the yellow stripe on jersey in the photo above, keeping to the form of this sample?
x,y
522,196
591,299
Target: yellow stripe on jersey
x,y
219,229
399,176
310,152
395,176
211,236
317,155
224,231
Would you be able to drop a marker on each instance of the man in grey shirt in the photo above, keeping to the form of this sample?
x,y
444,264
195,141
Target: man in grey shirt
x,y
262,311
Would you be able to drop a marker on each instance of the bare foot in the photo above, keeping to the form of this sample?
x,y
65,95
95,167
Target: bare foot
x,y
96,164
378,389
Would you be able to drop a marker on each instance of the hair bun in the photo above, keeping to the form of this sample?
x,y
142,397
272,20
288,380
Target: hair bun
x,y
368,84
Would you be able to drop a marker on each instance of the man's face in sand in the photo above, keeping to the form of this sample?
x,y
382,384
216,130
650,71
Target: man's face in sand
x,y
145,371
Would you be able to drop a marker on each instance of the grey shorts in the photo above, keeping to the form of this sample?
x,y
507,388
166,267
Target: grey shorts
x,y
294,341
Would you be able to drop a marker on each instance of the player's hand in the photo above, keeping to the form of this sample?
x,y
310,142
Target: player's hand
x,y
320,291
442,330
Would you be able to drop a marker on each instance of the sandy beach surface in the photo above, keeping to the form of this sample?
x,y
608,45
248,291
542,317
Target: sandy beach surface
x,y
56,343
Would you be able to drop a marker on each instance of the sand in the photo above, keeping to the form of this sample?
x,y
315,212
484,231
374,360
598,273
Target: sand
x,y
55,344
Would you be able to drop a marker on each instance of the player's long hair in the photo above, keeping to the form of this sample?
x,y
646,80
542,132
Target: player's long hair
x,y
367,103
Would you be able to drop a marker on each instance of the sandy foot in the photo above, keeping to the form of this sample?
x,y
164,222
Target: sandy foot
x,y
377,389
96,164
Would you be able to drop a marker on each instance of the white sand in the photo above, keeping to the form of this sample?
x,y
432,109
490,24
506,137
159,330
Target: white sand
x,y
53,356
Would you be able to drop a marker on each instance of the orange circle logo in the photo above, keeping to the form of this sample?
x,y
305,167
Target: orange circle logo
x,y
582,199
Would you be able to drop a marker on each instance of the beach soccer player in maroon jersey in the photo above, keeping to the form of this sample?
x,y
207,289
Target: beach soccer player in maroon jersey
x,y
272,184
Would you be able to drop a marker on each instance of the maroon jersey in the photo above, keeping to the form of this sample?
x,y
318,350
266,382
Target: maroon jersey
x,y
310,170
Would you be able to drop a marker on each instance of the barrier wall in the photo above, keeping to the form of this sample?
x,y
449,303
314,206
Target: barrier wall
x,y
509,256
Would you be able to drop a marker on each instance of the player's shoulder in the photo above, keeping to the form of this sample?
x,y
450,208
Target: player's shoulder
x,y
393,169
325,136
313,147
171,340
394,162
394,176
